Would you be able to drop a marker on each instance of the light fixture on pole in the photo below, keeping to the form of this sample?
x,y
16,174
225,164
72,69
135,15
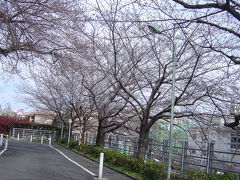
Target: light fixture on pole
x,y
69,130
172,39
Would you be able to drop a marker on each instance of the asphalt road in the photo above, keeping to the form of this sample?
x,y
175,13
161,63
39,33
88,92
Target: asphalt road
x,y
33,161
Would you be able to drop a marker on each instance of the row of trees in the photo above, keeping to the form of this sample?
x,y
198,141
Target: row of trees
x,y
107,65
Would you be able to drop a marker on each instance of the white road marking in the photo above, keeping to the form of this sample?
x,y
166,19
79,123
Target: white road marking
x,y
74,162
2,152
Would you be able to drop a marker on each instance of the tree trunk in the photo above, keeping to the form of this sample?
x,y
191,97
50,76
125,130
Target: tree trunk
x,y
83,129
100,141
143,141
82,138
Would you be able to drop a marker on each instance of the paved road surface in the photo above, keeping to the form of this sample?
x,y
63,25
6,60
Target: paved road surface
x,y
33,161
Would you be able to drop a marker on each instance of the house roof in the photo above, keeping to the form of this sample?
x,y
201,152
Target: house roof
x,y
42,112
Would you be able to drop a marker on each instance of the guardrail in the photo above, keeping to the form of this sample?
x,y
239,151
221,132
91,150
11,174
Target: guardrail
x,y
3,143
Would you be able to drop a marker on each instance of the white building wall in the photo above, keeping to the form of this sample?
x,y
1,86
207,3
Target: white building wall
x,y
221,139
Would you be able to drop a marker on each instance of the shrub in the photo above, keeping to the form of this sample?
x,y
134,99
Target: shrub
x,y
122,160
205,176
7,122
150,169
226,176
93,150
73,144
136,165
111,155
35,126
62,141
154,170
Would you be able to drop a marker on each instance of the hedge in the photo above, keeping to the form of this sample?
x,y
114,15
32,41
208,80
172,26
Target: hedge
x,y
150,169
205,176
34,126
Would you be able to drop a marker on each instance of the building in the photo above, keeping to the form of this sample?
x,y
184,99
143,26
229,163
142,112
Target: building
x,y
160,129
20,113
226,145
41,117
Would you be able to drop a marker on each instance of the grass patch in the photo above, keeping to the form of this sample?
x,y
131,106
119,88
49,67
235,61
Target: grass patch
x,y
125,170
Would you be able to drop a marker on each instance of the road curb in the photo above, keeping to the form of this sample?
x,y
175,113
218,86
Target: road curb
x,y
98,162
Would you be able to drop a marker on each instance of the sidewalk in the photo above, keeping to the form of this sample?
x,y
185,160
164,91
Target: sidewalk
x,y
91,165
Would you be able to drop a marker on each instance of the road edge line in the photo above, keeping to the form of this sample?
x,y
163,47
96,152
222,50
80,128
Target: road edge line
x,y
74,162
2,151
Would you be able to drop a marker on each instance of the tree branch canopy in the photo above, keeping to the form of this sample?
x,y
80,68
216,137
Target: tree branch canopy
x,y
237,34
33,28
234,124
226,7
221,28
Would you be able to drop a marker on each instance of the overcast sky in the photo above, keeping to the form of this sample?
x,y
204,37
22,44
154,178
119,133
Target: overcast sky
x,y
9,94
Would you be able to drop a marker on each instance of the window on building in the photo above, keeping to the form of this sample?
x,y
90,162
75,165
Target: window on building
x,y
235,140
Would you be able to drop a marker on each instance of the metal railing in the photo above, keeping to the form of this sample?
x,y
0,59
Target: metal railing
x,y
30,137
26,133
3,143
186,155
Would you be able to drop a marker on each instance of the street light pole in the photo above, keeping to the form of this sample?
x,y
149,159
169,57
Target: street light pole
x,y
172,39
172,106
62,130
69,130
